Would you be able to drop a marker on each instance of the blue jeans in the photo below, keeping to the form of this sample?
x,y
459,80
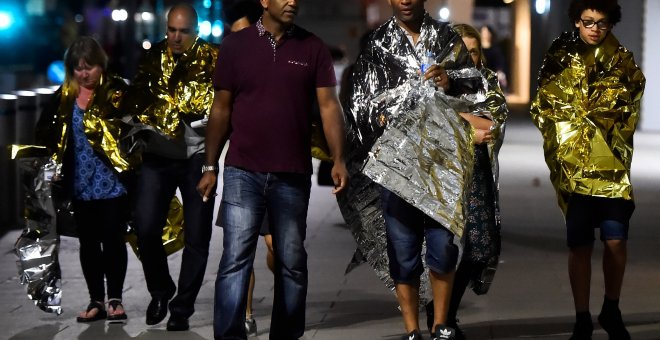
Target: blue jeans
x,y
246,197
406,228
585,213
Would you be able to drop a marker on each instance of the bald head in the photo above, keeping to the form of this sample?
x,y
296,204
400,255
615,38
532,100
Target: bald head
x,y
181,27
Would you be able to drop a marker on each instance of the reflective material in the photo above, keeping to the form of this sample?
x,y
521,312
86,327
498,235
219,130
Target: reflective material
x,y
168,90
102,120
38,246
173,233
587,108
406,135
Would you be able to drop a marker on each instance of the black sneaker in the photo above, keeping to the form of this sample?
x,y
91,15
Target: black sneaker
x,y
611,321
459,335
414,335
582,330
250,327
444,333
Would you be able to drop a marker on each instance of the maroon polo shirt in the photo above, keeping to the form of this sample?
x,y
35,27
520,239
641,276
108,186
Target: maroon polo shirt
x,y
273,90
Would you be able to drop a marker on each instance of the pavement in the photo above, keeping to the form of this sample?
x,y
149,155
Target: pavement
x,y
529,299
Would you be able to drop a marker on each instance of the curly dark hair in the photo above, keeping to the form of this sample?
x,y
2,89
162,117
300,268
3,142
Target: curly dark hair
x,y
610,7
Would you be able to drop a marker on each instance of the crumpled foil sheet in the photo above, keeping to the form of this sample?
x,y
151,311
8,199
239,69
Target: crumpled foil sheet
x,y
406,136
173,231
587,109
424,156
165,90
102,121
38,246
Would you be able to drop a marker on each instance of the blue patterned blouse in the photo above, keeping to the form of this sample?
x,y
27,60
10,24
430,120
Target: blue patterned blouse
x,y
93,179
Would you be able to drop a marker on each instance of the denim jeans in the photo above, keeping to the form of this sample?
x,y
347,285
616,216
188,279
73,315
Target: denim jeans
x,y
246,197
406,228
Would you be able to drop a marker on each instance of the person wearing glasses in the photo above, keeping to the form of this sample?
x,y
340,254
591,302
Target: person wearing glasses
x,y
587,108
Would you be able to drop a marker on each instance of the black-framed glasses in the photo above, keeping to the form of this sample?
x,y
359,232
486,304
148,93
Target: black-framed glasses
x,y
601,24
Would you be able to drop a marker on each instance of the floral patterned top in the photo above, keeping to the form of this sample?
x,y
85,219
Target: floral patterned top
x,y
93,179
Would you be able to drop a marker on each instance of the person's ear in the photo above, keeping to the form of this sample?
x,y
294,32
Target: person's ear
x,y
577,23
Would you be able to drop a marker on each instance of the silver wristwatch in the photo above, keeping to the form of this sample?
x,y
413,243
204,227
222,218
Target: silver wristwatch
x,y
207,168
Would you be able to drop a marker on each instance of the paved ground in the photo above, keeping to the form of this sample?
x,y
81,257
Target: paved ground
x,y
530,297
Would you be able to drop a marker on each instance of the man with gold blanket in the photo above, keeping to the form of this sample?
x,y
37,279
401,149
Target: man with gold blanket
x,y
170,97
587,108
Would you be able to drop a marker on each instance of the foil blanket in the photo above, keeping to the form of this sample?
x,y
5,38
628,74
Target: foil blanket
x,y
587,109
38,246
408,137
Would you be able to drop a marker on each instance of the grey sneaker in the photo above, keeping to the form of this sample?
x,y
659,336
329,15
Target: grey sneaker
x,y
250,327
444,333
414,335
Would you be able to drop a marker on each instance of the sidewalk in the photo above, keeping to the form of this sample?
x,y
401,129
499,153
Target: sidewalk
x,y
530,297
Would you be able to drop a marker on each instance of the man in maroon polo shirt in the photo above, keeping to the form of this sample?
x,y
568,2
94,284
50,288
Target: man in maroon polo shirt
x,y
265,83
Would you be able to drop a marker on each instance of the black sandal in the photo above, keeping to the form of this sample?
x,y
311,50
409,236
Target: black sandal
x,y
100,315
114,303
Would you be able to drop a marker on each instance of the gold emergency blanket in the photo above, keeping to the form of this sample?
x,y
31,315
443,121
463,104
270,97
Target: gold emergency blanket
x,y
587,109
166,90
102,120
406,136
173,231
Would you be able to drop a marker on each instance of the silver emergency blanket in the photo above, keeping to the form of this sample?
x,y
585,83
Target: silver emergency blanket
x,y
38,246
406,136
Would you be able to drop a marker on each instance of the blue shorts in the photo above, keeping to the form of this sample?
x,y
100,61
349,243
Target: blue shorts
x,y
406,228
586,213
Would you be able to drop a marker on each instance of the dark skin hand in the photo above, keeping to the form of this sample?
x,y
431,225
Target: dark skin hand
x,y
439,76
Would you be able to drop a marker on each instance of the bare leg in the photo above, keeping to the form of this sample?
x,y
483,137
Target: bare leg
x,y
579,272
442,286
270,258
614,266
615,256
408,297
248,307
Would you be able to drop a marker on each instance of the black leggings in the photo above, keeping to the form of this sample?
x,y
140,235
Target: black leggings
x,y
465,272
101,227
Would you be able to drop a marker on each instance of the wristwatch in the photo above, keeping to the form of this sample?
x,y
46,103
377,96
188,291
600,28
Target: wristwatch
x,y
207,168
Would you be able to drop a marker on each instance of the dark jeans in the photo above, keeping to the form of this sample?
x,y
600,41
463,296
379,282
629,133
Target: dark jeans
x,y
406,228
101,225
246,196
157,181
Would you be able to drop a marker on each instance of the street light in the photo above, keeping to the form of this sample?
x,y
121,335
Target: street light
x,y
6,20
217,28
205,29
119,14
542,6
444,14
